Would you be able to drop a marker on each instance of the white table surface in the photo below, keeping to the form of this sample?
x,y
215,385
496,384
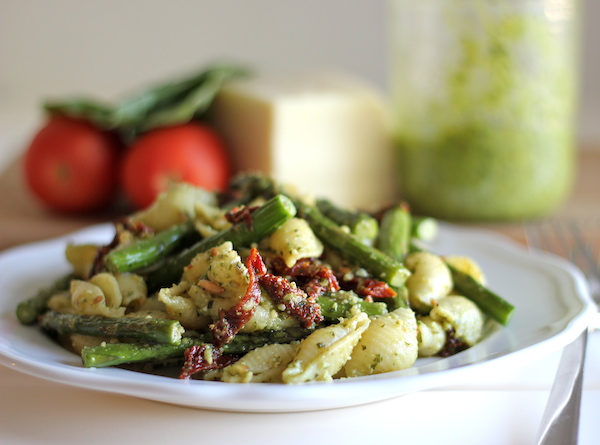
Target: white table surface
x,y
489,410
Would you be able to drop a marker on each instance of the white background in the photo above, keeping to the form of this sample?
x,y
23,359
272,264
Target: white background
x,y
104,48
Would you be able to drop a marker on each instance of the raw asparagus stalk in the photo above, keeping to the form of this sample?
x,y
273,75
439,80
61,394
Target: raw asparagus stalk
x,y
149,330
265,220
146,252
361,225
112,354
395,232
29,310
376,262
489,302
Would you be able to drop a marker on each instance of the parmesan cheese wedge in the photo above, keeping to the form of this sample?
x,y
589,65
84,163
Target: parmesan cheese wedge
x,y
324,134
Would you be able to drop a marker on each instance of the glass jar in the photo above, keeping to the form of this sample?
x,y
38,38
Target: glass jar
x,y
484,99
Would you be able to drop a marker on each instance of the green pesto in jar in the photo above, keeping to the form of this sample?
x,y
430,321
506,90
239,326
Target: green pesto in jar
x,y
490,136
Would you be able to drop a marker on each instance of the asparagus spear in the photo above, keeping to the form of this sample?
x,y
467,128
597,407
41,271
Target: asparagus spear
x,y
333,309
29,310
424,228
395,232
113,354
245,188
265,220
489,302
119,353
144,329
379,264
400,300
362,225
148,251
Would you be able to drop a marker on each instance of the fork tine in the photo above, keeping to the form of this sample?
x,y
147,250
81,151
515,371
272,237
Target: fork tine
x,y
565,238
547,236
589,265
533,237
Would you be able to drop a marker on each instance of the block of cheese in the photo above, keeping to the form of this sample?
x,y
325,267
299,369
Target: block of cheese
x,y
323,133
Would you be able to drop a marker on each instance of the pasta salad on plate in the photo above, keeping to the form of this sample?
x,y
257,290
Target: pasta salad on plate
x,y
262,284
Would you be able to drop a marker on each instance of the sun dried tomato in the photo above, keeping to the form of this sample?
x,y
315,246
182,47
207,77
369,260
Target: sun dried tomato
x,y
453,344
374,288
204,358
241,214
310,275
368,287
234,319
137,228
295,301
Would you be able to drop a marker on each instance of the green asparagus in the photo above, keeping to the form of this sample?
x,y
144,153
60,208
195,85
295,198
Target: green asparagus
x,y
29,310
394,233
332,309
143,329
379,264
112,354
400,300
265,220
361,225
146,252
249,186
489,302
424,228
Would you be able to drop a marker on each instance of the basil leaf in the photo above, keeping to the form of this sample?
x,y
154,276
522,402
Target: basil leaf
x,y
86,109
173,103
168,103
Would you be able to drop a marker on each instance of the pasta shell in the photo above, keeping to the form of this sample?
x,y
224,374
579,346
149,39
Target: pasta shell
x,y
323,353
264,364
388,344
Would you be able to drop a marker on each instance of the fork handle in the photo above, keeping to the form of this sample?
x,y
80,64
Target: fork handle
x,y
560,422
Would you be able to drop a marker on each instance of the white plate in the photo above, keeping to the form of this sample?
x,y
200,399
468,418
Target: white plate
x,y
550,295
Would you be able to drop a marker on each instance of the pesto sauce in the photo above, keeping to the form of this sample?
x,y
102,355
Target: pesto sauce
x,y
491,136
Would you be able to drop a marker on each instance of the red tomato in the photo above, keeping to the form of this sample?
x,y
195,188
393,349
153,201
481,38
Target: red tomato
x,y
191,152
71,166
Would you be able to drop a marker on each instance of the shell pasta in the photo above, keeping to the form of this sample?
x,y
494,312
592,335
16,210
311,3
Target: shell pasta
x,y
257,285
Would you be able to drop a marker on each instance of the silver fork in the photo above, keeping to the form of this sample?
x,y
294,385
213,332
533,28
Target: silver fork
x,y
560,422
